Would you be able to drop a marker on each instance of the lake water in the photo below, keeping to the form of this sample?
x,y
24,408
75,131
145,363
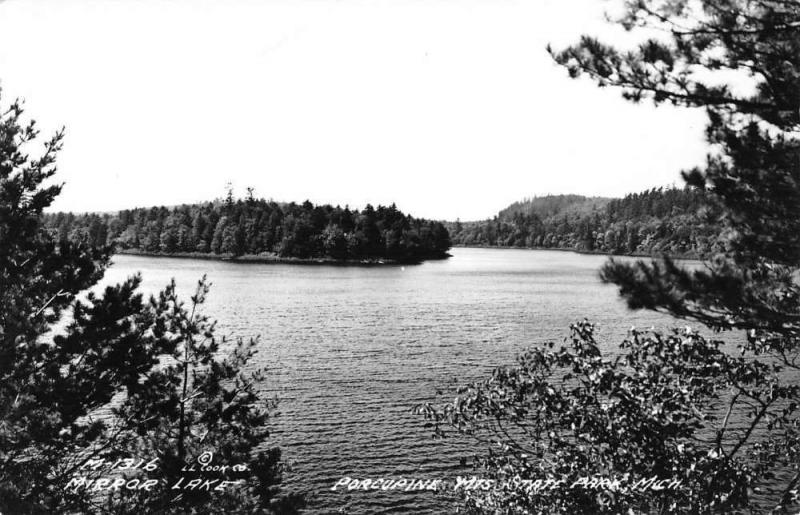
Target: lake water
x,y
352,349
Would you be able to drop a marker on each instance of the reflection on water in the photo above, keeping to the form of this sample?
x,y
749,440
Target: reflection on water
x,y
352,350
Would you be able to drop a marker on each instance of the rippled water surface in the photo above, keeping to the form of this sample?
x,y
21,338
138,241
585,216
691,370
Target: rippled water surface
x,y
352,349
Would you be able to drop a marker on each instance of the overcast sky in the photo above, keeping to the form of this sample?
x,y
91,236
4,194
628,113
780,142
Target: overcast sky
x,y
450,108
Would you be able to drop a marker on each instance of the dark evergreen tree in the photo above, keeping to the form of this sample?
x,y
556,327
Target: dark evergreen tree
x,y
753,181
54,380
724,422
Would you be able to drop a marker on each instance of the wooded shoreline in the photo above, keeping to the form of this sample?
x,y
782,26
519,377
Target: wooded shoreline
x,y
278,260
688,256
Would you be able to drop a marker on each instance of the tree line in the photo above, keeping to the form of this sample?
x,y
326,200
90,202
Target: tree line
x,y
251,226
660,220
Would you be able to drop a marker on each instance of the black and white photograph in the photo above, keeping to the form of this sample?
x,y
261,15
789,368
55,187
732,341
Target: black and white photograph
x,y
480,257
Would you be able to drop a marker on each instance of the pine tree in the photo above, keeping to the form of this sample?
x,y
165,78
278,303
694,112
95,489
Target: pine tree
x,y
724,422
217,239
53,381
754,179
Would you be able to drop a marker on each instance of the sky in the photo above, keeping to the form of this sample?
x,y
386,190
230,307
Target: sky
x,y
448,108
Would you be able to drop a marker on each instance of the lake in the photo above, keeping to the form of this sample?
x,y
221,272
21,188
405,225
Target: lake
x,y
351,350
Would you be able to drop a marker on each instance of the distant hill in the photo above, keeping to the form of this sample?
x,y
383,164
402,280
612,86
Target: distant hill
x,y
651,222
550,205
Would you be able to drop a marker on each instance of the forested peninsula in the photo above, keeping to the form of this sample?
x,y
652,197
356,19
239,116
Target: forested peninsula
x,y
253,229
668,221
